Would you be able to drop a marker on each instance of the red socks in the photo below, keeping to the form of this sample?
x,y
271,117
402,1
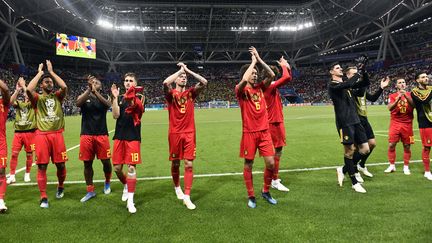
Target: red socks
x,y
247,176
426,160
276,168
13,164
392,155
131,183
188,179
90,188
2,186
268,175
42,182
61,176
175,173
407,156
29,162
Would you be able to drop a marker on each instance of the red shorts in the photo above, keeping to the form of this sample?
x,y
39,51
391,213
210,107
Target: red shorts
x,y
126,152
3,150
277,131
426,136
21,139
401,132
251,141
91,145
182,146
50,145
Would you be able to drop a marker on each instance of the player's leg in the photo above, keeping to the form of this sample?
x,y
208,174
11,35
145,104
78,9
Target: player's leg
x,y
391,154
42,183
276,181
107,168
61,177
362,164
406,158
43,156
131,183
175,174
268,176
103,152
248,179
88,176
118,157
188,180
426,135
3,186
16,148
174,142
29,148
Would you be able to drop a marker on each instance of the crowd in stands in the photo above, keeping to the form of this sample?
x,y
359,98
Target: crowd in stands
x,y
309,83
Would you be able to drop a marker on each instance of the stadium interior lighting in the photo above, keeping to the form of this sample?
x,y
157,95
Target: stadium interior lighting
x,y
105,24
291,28
244,28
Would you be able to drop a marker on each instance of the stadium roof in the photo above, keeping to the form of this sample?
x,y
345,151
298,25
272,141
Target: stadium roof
x,y
131,31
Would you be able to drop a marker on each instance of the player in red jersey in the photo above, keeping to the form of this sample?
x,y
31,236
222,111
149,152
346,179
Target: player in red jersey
x,y
401,106
4,109
94,139
256,134
276,119
49,138
181,133
25,127
127,109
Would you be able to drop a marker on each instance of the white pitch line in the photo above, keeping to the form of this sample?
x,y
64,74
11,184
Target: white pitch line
x,y
67,150
213,175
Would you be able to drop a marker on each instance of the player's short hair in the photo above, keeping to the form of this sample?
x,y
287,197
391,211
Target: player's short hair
x,y
417,75
46,75
244,68
131,74
332,65
349,68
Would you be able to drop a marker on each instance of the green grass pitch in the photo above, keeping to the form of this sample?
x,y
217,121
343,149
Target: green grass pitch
x,y
395,208
82,53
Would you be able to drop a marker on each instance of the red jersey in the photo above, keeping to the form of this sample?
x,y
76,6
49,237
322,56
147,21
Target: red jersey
x,y
181,110
403,111
273,99
4,110
253,108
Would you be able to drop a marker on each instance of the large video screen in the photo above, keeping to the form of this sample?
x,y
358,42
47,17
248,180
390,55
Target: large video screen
x,y
75,46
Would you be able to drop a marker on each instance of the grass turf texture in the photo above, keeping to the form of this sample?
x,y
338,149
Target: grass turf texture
x,y
395,207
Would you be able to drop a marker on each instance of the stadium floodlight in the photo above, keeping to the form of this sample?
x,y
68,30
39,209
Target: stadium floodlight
x,y
105,24
126,27
291,28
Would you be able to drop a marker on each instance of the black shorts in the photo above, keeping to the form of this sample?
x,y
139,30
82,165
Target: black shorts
x,y
367,127
353,134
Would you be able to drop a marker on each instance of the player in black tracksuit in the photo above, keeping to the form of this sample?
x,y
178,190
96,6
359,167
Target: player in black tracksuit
x,y
348,124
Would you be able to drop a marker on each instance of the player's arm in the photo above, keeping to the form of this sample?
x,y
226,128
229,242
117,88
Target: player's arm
x,y
168,81
384,84
101,98
286,73
353,82
409,99
31,87
60,82
84,96
246,76
202,82
18,89
115,106
269,73
5,93
391,105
